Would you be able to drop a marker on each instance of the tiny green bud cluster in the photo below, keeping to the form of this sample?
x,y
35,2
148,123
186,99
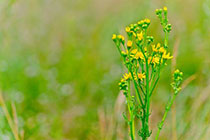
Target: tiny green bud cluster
x,y
123,85
177,79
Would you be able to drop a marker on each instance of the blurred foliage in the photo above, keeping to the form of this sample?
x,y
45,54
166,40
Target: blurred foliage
x,y
59,66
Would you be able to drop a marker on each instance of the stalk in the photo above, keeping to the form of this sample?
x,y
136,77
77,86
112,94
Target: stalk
x,y
148,96
177,79
131,123
168,107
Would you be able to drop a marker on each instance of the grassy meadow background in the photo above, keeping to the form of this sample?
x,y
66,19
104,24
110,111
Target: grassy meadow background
x,y
60,68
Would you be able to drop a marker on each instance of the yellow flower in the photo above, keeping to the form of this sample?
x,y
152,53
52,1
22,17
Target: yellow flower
x,y
167,56
134,51
162,50
129,43
158,45
127,76
124,53
127,29
149,59
119,36
114,36
165,8
155,60
154,48
122,80
140,36
123,38
147,21
139,55
141,76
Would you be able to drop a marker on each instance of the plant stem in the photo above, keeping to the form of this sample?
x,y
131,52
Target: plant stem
x,y
147,100
168,107
131,123
136,89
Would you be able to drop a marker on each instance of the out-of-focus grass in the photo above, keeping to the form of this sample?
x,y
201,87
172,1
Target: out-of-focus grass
x,y
59,66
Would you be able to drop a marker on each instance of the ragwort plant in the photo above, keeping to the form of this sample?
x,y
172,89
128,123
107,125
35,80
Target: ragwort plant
x,y
144,60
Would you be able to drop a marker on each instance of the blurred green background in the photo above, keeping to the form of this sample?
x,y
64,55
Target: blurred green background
x,y
60,67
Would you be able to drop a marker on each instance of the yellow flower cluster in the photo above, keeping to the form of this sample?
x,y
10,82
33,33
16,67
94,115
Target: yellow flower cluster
x,y
144,61
161,50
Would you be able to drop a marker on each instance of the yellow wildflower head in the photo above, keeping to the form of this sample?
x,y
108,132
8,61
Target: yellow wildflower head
x,y
165,8
114,36
140,36
154,48
129,43
124,53
167,56
123,38
127,29
155,60
119,36
158,45
141,76
162,50
147,21
134,51
127,76
139,55
122,80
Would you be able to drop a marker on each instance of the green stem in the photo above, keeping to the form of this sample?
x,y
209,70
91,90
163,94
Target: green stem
x,y
136,88
131,123
166,40
156,81
135,84
147,98
145,120
168,107
132,129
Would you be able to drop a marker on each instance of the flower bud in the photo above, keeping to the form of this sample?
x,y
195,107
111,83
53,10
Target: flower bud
x,y
165,9
140,23
158,11
168,27
129,44
132,27
127,29
144,26
114,37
